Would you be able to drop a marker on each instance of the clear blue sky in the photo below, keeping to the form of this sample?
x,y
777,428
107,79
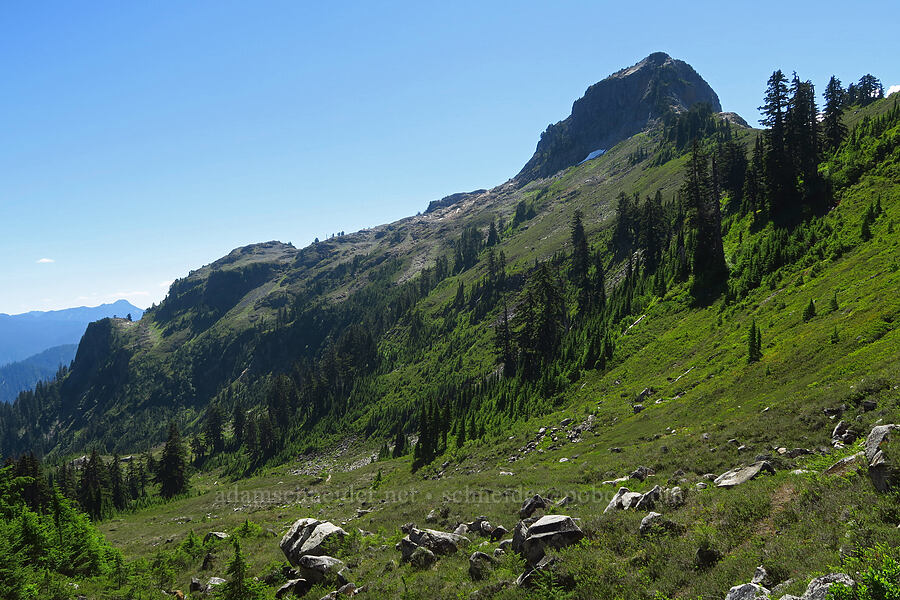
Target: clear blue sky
x,y
143,139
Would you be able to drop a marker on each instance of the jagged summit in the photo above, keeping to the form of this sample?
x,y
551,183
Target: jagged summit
x,y
616,108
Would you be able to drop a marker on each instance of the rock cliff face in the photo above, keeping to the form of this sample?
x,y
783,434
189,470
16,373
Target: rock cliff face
x,y
616,108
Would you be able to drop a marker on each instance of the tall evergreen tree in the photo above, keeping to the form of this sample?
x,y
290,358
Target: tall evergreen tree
x,y
754,343
213,429
172,475
833,129
705,221
780,187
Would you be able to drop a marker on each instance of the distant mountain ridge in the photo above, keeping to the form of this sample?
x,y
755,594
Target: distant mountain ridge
x,y
25,374
623,104
27,334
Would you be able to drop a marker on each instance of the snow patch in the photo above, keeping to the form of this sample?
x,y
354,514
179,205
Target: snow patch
x,y
593,155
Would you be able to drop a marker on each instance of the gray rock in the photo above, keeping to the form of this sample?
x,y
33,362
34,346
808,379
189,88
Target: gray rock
x,y
527,578
759,575
506,545
498,533
649,499
622,500
310,536
550,531
531,505
637,408
479,565
319,568
883,474
294,587
432,516
740,475
656,523
520,532
641,473
215,535
436,542
840,429
617,108
461,529
845,465
748,591
674,497
346,590
818,587
213,582
422,558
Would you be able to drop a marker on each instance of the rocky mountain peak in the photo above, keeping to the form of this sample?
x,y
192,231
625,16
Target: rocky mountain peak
x,y
623,104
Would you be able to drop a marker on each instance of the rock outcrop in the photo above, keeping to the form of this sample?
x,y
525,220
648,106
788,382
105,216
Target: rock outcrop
x,y
740,475
436,542
883,473
310,537
550,531
616,108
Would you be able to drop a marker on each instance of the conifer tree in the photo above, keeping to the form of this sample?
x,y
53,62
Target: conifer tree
x,y
238,422
778,173
240,585
399,442
705,219
213,430
173,465
117,485
754,342
833,129
810,311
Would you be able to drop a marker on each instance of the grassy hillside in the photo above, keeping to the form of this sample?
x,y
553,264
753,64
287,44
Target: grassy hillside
x,y
705,410
308,363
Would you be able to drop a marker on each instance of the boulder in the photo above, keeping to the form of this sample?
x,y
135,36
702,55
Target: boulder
x,y
520,532
656,523
740,475
641,473
432,516
344,591
883,474
439,542
294,587
759,575
622,500
818,587
213,582
196,586
320,568
531,505
748,591
461,529
840,429
498,533
310,536
422,558
436,542
550,531
649,499
674,497
845,465
215,535
527,578
479,565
